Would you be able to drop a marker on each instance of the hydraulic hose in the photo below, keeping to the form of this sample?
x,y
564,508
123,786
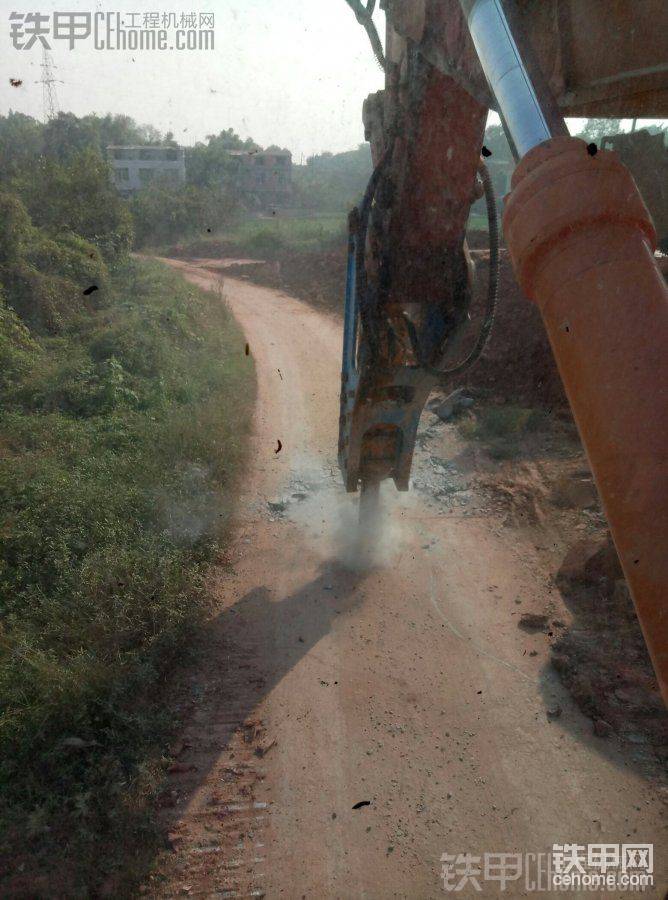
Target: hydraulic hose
x,y
362,227
492,283
362,223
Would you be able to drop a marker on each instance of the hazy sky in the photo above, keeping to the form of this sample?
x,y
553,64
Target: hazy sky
x,y
288,72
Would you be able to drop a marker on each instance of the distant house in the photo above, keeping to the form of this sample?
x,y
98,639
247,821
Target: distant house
x,y
133,167
263,177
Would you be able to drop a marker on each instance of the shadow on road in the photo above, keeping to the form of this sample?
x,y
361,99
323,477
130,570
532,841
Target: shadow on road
x,y
244,653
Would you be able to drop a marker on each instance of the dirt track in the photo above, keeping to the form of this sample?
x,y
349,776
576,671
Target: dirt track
x,y
406,683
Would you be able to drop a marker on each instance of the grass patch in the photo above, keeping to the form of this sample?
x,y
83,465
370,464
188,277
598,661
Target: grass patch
x,y
300,233
501,428
269,238
119,447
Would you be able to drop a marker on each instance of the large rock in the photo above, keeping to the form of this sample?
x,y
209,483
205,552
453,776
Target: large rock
x,y
575,491
454,403
591,561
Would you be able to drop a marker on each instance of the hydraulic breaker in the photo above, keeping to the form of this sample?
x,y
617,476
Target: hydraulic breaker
x,y
409,275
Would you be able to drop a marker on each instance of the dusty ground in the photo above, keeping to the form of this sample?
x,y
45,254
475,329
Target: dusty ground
x,y
405,684
536,479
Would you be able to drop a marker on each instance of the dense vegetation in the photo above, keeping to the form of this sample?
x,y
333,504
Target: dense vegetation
x,y
38,160
122,429
270,239
161,212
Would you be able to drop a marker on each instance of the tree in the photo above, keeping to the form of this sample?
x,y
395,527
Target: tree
x,y
121,130
163,213
210,164
78,197
496,141
66,136
596,129
21,143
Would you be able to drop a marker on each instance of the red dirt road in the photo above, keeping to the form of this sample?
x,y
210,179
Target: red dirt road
x,y
405,683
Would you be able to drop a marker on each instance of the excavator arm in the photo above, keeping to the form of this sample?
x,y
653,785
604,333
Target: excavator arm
x,y
579,235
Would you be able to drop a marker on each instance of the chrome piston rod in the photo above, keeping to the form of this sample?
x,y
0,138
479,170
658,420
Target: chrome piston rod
x,y
524,114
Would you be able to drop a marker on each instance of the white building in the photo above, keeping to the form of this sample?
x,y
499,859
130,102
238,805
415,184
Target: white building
x,y
135,167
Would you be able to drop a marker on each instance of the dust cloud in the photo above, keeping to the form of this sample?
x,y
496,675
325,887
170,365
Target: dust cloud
x,y
329,517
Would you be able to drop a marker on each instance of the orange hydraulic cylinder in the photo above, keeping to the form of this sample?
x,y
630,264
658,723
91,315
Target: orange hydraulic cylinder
x,y
582,243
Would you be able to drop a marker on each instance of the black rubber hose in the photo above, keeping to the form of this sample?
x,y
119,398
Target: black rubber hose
x,y
362,224
493,282
364,214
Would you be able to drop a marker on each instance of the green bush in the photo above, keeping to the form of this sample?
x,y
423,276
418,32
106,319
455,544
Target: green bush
x,y
77,197
70,257
121,438
15,229
163,213
46,277
265,242
46,303
18,350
